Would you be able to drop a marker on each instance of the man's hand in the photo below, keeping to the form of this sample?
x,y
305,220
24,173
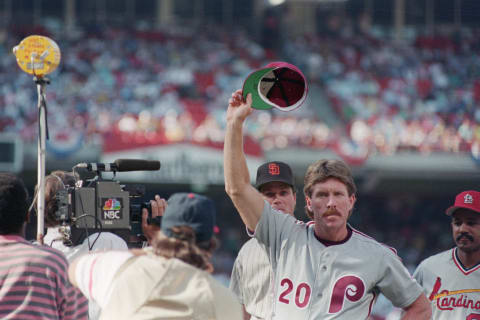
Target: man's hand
x,y
238,109
419,309
158,208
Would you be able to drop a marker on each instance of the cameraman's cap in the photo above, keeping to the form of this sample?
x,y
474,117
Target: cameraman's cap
x,y
278,85
466,200
190,209
274,171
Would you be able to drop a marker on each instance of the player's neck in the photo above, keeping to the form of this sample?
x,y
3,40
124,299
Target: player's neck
x,y
468,259
330,234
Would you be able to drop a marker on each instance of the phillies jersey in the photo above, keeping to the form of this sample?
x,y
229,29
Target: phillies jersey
x,y
453,290
251,280
315,279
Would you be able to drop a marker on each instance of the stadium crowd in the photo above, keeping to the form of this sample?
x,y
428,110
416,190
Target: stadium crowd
x,y
418,96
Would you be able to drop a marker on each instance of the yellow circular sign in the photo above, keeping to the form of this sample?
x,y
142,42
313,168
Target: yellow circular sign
x,y
37,55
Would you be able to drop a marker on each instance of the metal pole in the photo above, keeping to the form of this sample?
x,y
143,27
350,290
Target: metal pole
x,y
429,16
7,13
37,12
399,18
257,18
69,14
227,12
42,125
164,15
199,12
130,10
458,14
101,8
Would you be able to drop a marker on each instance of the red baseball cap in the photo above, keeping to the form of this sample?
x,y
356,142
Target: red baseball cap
x,y
278,85
467,200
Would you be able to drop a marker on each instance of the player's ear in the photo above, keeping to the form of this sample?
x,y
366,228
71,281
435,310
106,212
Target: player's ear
x,y
308,203
353,199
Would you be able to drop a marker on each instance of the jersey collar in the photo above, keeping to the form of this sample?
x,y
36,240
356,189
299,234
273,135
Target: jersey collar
x,y
458,263
328,243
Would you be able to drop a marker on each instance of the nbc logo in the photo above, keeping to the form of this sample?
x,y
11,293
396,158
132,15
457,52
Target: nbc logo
x,y
112,204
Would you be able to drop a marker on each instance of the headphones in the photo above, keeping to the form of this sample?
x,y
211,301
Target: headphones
x,y
54,204
59,179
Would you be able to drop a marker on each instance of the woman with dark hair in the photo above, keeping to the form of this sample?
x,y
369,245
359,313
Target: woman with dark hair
x,y
33,279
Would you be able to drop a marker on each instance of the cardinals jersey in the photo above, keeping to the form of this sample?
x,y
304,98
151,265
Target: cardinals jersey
x,y
453,290
316,279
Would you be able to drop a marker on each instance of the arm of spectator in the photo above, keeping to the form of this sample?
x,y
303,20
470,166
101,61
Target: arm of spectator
x,y
245,197
94,273
246,315
158,208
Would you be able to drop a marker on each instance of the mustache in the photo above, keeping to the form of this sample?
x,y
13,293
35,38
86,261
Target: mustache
x,y
330,212
464,235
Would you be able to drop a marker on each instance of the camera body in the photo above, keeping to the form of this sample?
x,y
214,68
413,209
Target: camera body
x,y
95,204
103,205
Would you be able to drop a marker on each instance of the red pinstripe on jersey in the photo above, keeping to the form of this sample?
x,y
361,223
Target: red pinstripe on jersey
x,y
372,303
383,244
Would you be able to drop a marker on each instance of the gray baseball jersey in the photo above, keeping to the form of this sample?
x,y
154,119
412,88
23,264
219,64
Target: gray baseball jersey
x,y
453,290
251,280
314,279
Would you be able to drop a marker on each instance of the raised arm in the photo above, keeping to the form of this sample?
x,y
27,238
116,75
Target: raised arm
x,y
245,197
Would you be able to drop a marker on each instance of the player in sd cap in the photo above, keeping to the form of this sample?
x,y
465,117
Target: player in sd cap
x,y
326,270
252,277
451,279
168,280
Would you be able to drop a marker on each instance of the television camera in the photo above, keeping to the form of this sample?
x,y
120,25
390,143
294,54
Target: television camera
x,y
101,204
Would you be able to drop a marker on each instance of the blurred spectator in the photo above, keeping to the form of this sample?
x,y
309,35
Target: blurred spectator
x,y
34,282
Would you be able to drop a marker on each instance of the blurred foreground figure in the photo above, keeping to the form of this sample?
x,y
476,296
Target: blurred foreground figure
x,y
451,279
33,278
170,279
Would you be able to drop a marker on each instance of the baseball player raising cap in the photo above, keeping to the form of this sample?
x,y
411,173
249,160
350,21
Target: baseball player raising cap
x,y
325,270
166,282
451,279
252,278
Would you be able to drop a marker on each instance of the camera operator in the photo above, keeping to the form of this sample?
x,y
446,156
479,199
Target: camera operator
x,y
56,238
169,280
